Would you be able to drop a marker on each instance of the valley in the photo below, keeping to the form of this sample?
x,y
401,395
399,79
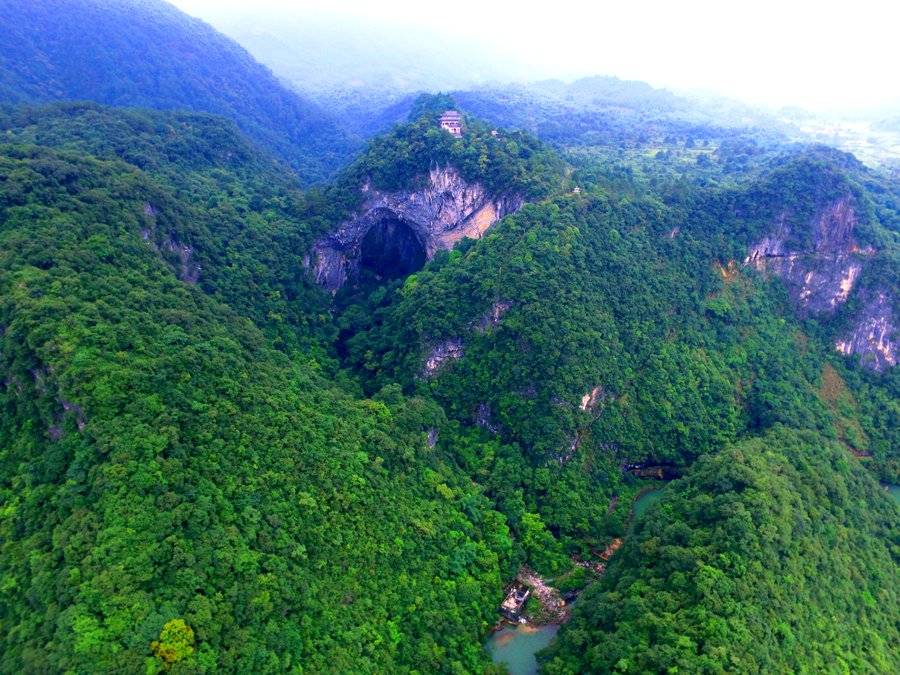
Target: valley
x,y
595,379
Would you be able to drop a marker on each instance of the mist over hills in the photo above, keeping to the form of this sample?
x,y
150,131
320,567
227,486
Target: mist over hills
x,y
146,53
339,382
323,52
367,70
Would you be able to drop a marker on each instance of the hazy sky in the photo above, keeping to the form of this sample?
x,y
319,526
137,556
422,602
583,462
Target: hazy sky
x,y
820,55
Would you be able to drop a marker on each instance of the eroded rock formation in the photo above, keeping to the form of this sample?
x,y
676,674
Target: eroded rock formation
x,y
492,318
822,274
874,333
187,269
484,418
448,350
591,399
394,233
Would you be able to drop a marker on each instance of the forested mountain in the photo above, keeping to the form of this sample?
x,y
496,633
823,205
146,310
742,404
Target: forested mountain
x,y
247,426
587,113
227,215
181,411
746,567
147,53
176,491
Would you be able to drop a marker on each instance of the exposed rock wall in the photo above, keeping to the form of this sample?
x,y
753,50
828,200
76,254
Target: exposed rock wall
x,y
447,209
492,318
591,399
822,275
874,334
448,350
188,269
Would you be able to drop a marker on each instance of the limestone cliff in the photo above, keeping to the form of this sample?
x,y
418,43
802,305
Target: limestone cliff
x,y
873,334
402,229
822,273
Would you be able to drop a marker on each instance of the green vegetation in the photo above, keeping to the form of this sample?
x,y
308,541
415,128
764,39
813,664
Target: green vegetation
x,y
688,354
207,463
776,555
245,221
177,493
147,53
504,162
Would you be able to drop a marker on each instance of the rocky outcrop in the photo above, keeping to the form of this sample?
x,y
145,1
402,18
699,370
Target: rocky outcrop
x,y
552,609
484,418
591,399
76,410
448,350
423,221
45,385
188,269
822,274
492,318
874,333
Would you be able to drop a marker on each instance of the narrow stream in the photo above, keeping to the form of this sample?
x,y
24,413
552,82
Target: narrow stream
x,y
645,501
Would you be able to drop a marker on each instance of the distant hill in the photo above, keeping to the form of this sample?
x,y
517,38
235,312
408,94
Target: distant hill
x,y
589,112
146,53
325,51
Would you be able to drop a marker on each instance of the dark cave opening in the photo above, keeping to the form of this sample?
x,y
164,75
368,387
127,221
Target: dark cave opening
x,y
391,250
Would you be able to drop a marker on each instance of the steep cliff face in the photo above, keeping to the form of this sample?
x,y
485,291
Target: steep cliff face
x,y
874,333
822,273
393,233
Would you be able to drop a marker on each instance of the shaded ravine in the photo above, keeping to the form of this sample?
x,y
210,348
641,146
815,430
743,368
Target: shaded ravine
x,y
516,646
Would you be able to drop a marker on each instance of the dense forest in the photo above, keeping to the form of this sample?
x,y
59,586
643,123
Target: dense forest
x,y
226,213
147,53
773,555
151,332
210,463
684,351
177,491
512,162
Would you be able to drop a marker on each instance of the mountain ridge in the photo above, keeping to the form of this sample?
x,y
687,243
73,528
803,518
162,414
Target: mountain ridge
x,y
210,463
148,53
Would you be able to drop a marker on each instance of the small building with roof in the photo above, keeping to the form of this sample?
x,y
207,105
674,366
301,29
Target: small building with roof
x,y
451,121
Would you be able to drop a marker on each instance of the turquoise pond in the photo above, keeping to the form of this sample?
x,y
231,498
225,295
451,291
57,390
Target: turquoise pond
x,y
515,647
894,490
645,501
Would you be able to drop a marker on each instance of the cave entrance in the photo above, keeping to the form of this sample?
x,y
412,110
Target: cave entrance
x,y
391,250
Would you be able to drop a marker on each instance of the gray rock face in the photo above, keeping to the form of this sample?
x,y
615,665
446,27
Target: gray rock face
x,y
874,333
821,276
492,318
431,219
448,350
484,418
188,269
